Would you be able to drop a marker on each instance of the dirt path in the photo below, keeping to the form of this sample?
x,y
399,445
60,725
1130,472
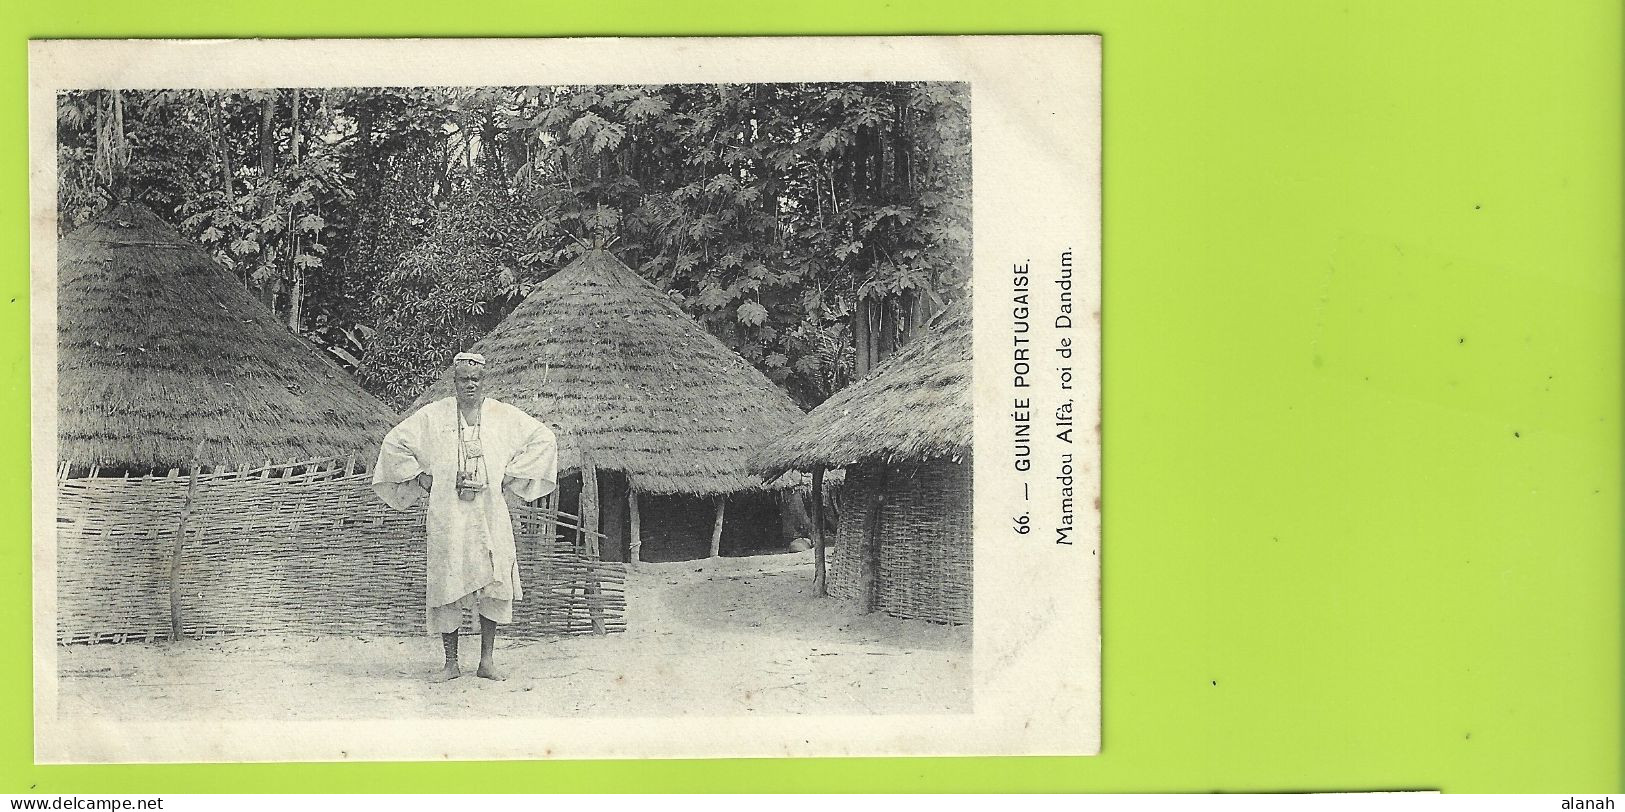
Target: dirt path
x,y
731,637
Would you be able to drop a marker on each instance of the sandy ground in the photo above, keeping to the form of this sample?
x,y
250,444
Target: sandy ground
x,y
735,636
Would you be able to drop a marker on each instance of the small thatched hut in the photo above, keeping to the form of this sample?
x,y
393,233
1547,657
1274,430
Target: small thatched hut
x,y
159,348
903,435
656,416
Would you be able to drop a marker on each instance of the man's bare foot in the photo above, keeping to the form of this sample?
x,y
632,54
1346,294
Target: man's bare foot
x,y
489,671
450,672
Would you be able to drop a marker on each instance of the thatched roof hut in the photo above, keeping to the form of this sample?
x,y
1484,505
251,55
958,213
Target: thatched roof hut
x,y
915,406
662,408
621,371
159,348
903,437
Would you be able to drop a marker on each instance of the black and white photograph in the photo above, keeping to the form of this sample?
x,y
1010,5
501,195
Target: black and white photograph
x,y
393,418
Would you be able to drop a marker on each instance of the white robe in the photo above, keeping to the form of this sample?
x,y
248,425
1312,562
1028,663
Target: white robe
x,y
470,544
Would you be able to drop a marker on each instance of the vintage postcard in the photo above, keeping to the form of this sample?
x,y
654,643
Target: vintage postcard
x,y
577,398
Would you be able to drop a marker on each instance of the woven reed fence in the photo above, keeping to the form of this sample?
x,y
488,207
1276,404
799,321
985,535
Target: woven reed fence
x,y
924,563
301,548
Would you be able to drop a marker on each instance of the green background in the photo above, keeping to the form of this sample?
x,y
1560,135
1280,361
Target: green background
x,y
1362,395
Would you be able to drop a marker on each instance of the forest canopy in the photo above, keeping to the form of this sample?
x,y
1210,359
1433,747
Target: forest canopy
x,y
811,227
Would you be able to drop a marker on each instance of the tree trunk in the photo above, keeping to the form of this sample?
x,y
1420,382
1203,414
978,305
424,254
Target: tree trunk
x,y
888,330
269,291
296,295
917,310
268,136
226,170
224,143
924,308
112,160
874,333
869,171
899,138
906,312
863,338
121,151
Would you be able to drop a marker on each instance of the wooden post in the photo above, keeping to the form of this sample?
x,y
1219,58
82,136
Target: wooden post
x,y
589,525
175,624
869,574
716,529
589,504
637,525
820,579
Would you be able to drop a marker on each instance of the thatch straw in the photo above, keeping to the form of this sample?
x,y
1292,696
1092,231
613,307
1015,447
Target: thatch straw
x,y
914,406
158,348
618,369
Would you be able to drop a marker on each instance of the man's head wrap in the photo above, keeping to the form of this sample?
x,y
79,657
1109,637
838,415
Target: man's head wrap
x,y
470,358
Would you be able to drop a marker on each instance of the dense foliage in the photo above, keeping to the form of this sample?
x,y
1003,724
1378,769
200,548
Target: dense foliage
x,y
809,226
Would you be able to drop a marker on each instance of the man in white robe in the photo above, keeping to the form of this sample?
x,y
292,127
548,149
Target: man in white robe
x,y
451,451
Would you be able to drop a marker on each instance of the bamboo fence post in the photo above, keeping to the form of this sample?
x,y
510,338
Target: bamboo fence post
x,y
637,524
589,525
716,529
550,503
820,579
175,557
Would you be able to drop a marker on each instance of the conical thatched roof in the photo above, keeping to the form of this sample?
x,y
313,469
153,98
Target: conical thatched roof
x,y
915,405
158,348
618,369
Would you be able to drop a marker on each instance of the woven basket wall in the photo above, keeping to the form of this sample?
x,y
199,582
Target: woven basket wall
x,y
925,564
301,549
845,562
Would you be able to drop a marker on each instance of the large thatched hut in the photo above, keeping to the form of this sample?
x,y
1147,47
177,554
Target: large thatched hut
x,y
159,348
903,436
163,357
656,418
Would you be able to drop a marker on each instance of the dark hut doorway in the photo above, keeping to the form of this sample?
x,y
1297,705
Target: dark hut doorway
x,y
678,527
